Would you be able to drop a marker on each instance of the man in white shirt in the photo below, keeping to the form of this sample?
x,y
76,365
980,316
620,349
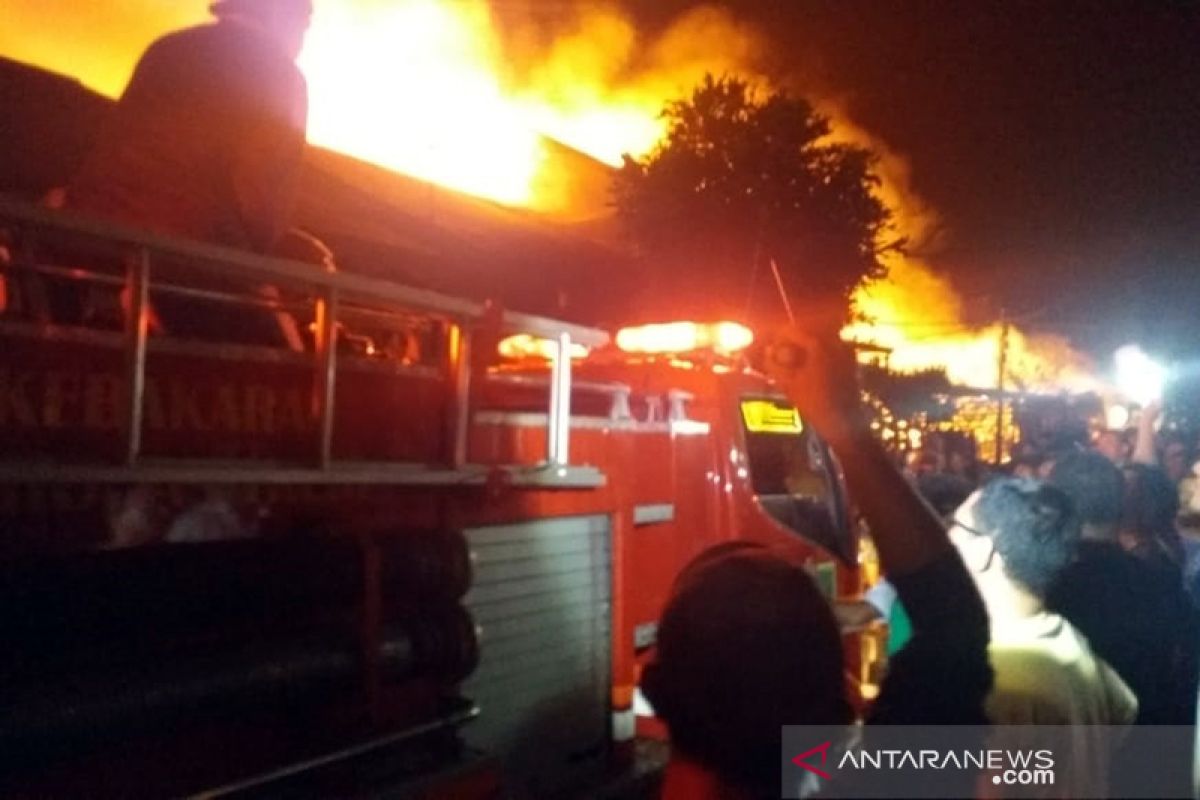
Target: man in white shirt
x,y
1015,535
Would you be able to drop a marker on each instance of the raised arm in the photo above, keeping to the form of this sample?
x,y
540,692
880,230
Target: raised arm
x,y
1144,451
942,675
820,379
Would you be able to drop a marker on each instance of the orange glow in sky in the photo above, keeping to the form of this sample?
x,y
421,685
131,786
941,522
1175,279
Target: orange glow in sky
x,y
441,90
430,87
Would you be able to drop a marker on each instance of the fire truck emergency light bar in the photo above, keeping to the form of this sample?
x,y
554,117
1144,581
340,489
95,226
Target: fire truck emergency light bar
x,y
723,338
524,345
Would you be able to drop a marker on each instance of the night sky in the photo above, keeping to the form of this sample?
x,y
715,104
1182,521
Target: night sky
x,y
1059,140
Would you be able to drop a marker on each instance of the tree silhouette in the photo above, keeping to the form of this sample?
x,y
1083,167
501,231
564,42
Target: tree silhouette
x,y
743,179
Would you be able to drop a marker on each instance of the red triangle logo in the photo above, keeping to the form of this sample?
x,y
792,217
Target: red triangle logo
x,y
823,749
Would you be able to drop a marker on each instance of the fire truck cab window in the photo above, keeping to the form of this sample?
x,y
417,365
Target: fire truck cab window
x,y
792,473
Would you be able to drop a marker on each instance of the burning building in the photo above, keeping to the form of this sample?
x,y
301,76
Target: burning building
x,y
480,139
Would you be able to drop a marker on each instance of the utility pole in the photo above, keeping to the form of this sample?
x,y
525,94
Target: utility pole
x,y
1001,359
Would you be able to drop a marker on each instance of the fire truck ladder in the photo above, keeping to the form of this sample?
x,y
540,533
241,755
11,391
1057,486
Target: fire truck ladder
x,y
26,229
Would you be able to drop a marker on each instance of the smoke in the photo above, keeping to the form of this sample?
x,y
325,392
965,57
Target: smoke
x,y
596,83
921,316
593,80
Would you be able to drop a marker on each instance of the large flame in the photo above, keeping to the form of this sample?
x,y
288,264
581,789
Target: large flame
x,y
428,87
921,318
413,86
437,89
447,91
917,315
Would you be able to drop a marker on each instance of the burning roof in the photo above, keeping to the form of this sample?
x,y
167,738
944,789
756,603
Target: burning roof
x,y
459,95
379,222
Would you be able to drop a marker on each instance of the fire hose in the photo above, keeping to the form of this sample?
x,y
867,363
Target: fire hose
x,y
125,643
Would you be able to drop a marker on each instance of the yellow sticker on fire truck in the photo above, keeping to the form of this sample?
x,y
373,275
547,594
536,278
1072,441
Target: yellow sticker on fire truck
x,y
769,416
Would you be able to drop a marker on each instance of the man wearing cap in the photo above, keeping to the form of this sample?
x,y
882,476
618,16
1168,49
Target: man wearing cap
x,y
206,143
207,140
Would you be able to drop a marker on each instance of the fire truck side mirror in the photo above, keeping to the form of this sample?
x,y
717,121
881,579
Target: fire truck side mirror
x,y
786,355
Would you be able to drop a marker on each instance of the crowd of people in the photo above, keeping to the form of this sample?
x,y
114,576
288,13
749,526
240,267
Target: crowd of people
x,y
1051,592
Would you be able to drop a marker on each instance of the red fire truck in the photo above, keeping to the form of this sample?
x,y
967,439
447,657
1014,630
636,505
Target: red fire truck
x,y
419,541
391,557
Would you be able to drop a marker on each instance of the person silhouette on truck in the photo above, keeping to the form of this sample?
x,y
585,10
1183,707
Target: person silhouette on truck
x,y
206,143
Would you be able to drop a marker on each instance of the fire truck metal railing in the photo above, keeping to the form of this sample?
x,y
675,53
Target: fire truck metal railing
x,y
335,293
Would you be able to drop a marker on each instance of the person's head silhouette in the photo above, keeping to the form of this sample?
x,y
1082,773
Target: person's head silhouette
x,y
287,21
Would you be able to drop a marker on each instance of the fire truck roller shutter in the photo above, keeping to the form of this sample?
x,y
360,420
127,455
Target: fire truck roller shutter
x,y
541,596
125,642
